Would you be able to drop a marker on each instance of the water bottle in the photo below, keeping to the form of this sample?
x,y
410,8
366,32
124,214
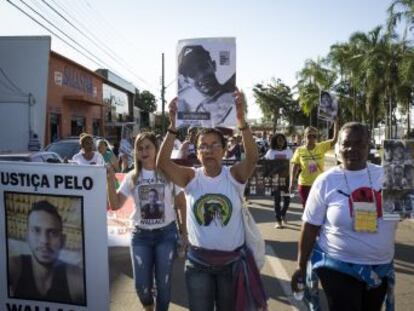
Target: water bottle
x,y
298,295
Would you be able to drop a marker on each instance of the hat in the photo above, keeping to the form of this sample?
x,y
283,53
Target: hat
x,y
189,57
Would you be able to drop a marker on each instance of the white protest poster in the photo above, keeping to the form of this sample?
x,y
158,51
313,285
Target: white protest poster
x,y
328,106
206,75
53,237
398,186
120,225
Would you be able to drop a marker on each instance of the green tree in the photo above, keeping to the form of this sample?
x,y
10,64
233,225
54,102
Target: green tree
x,y
274,99
314,77
145,100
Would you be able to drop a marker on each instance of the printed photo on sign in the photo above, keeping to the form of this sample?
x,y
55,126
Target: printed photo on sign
x,y
152,203
206,82
398,186
119,221
45,254
328,106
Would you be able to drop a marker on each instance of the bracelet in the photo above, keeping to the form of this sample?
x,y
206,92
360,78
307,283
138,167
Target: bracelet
x,y
172,132
245,127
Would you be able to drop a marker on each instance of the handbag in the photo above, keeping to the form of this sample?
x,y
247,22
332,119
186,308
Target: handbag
x,y
253,237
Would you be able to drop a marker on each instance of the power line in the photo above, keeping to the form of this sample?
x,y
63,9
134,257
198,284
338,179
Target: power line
x,y
94,39
52,32
124,64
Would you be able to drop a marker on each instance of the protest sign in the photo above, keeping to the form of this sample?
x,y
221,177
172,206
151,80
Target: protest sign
x,y
206,81
328,107
398,186
119,221
55,230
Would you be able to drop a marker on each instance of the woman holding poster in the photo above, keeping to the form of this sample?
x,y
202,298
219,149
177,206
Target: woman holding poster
x,y
154,240
220,271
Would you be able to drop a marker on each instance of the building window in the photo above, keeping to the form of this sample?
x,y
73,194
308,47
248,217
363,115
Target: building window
x,y
77,126
54,127
96,127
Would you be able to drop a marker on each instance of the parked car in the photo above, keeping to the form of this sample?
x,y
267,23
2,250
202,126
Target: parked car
x,y
38,156
67,147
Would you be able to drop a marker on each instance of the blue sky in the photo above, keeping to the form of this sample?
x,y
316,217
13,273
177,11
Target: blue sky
x,y
274,38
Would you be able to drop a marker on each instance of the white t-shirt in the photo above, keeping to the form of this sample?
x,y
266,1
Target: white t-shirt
x,y
272,154
147,214
328,206
97,159
214,219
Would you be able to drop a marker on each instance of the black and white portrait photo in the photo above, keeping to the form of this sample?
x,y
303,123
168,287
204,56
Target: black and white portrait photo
x,y
206,78
328,106
398,185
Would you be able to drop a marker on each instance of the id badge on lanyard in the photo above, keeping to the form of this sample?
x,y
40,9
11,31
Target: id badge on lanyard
x,y
365,217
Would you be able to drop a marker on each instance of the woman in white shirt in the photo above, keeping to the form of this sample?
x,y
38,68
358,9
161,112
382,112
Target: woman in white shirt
x,y
154,239
217,259
87,155
353,255
279,150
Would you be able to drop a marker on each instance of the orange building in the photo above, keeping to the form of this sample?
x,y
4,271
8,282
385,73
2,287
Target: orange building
x,y
74,100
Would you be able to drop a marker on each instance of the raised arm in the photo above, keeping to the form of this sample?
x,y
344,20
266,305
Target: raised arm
x,y
334,139
244,169
179,175
116,200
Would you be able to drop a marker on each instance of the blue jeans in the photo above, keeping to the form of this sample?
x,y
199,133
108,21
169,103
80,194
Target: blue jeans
x,y
153,253
209,287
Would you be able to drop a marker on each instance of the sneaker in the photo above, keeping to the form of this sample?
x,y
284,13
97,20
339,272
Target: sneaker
x,y
279,225
284,220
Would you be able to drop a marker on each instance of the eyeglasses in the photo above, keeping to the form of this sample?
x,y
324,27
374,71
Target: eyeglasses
x,y
311,136
212,147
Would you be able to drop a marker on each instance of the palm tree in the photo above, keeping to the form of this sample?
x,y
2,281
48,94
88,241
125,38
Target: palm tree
x,y
314,77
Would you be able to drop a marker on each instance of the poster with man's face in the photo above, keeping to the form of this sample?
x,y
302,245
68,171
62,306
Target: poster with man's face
x,y
53,237
328,106
398,185
45,233
206,75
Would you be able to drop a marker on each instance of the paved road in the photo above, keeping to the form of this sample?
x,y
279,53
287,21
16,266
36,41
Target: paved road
x,y
281,248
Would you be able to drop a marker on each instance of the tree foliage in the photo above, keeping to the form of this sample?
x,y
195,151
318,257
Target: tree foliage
x,y
145,100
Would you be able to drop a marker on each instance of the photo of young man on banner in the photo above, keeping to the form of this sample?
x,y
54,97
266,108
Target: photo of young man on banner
x,y
206,82
53,242
45,248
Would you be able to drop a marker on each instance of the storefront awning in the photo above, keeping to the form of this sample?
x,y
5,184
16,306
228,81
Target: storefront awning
x,y
83,99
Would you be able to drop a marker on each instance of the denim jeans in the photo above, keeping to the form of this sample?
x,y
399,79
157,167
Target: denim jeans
x,y
152,254
281,211
209,288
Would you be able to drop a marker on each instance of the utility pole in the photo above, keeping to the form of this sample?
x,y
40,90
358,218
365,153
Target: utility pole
x,y
162,96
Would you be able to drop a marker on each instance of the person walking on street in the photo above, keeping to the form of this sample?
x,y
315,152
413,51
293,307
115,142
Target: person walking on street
x,y
154,240
309,160
279,150
344,235
220,270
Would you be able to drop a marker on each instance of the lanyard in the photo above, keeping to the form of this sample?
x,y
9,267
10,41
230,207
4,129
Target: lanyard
x,y
370,185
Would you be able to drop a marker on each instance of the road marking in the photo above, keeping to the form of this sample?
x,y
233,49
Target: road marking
x,y
281,275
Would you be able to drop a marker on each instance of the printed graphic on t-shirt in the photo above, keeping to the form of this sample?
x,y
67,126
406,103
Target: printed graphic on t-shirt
x,y
152,203
364,194
312,167
213,209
